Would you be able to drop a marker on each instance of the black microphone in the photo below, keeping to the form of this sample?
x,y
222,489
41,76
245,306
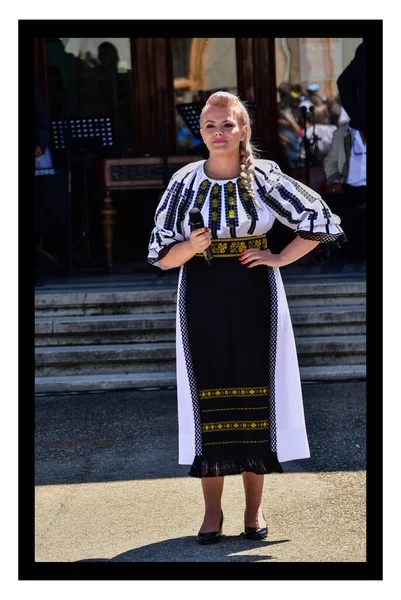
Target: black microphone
x,y
196,222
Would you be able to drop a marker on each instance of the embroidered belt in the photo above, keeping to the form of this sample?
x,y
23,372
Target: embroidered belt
x,y
229,247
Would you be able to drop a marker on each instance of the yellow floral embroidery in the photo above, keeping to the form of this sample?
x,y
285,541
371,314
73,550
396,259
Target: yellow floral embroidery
x,y
231,214
222,248
237,247
230,200
230,247
244,425
249,391
236,442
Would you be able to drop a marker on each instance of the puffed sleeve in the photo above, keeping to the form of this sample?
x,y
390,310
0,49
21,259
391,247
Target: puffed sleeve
x,y
298,206
165,233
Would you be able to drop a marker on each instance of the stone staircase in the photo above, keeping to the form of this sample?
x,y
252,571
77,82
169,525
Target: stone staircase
x,y
125,338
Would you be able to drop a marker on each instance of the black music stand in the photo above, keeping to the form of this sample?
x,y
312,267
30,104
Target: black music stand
x,y
190,112
85,133
74,137
310,157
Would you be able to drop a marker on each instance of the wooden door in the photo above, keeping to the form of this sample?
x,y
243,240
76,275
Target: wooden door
x,y
153,96
256,74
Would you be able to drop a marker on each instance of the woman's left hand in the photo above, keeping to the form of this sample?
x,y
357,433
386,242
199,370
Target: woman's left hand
x,y
254,258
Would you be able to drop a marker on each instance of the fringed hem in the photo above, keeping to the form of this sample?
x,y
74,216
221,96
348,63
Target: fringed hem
x,y
219,467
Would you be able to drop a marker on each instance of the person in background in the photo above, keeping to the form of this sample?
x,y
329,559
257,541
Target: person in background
x,y
345,170
311,97
345,164
319,134
333,105
295,104
240,408
42,154
289,139
343,117
284,90
352,88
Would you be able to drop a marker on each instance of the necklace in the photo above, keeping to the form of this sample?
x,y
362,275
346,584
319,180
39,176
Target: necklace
x,y
218,178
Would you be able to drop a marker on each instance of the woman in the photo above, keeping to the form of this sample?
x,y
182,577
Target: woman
x,y
239,395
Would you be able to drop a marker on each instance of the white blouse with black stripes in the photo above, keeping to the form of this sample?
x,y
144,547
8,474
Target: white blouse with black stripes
x,y
231,213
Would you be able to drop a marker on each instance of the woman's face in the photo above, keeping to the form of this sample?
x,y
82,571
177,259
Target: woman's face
x,y
221,130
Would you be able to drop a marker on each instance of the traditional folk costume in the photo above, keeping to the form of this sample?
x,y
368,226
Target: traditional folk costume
x,y
240,402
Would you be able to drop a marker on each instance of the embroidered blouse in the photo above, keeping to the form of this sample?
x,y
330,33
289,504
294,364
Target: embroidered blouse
x,y
231,213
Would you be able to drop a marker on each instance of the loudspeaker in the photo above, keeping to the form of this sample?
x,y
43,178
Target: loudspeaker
x,y
53,214
52,209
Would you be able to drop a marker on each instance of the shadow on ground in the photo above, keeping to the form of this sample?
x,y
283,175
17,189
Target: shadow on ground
x,y
184,549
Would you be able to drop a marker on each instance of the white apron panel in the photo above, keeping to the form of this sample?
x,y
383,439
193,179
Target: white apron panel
x,y
186,421
292,441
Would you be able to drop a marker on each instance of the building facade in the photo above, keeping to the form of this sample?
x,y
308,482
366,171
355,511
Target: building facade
x,y
133,88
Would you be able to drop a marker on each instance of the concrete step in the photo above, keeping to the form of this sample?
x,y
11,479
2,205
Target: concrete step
x,y
106,303
331,350
105,329
141,358
329,320
313,294
82,383
160,327
157,300
102,359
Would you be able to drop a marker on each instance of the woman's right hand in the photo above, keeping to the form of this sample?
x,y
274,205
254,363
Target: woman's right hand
x,y
200,239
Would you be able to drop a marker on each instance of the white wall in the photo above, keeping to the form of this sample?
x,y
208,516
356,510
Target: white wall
x,y
220,65
349,47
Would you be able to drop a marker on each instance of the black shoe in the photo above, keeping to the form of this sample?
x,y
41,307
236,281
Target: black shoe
x,y
254,533
211,537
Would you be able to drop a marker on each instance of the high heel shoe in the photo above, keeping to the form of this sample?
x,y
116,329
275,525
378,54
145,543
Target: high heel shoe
x,y
211,537
255,533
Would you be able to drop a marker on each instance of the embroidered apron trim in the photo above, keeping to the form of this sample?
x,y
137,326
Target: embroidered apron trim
x,y
237,442
221,392
236,425
230,247
234,408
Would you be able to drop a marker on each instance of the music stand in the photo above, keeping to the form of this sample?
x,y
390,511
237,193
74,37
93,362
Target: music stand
x,y
75,137
190,112
96,132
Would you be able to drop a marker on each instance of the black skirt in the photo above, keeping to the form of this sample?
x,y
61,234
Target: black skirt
x,y
230,324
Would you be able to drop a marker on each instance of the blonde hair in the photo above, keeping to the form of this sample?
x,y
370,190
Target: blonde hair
x,y
247,151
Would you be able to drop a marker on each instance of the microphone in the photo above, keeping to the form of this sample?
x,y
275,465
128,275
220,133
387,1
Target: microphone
x,y
196,222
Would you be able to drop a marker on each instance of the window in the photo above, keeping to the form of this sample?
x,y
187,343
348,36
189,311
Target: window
x,y
306,73
91,77
201,66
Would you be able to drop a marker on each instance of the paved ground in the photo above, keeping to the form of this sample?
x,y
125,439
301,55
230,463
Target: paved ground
x,y
109,487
